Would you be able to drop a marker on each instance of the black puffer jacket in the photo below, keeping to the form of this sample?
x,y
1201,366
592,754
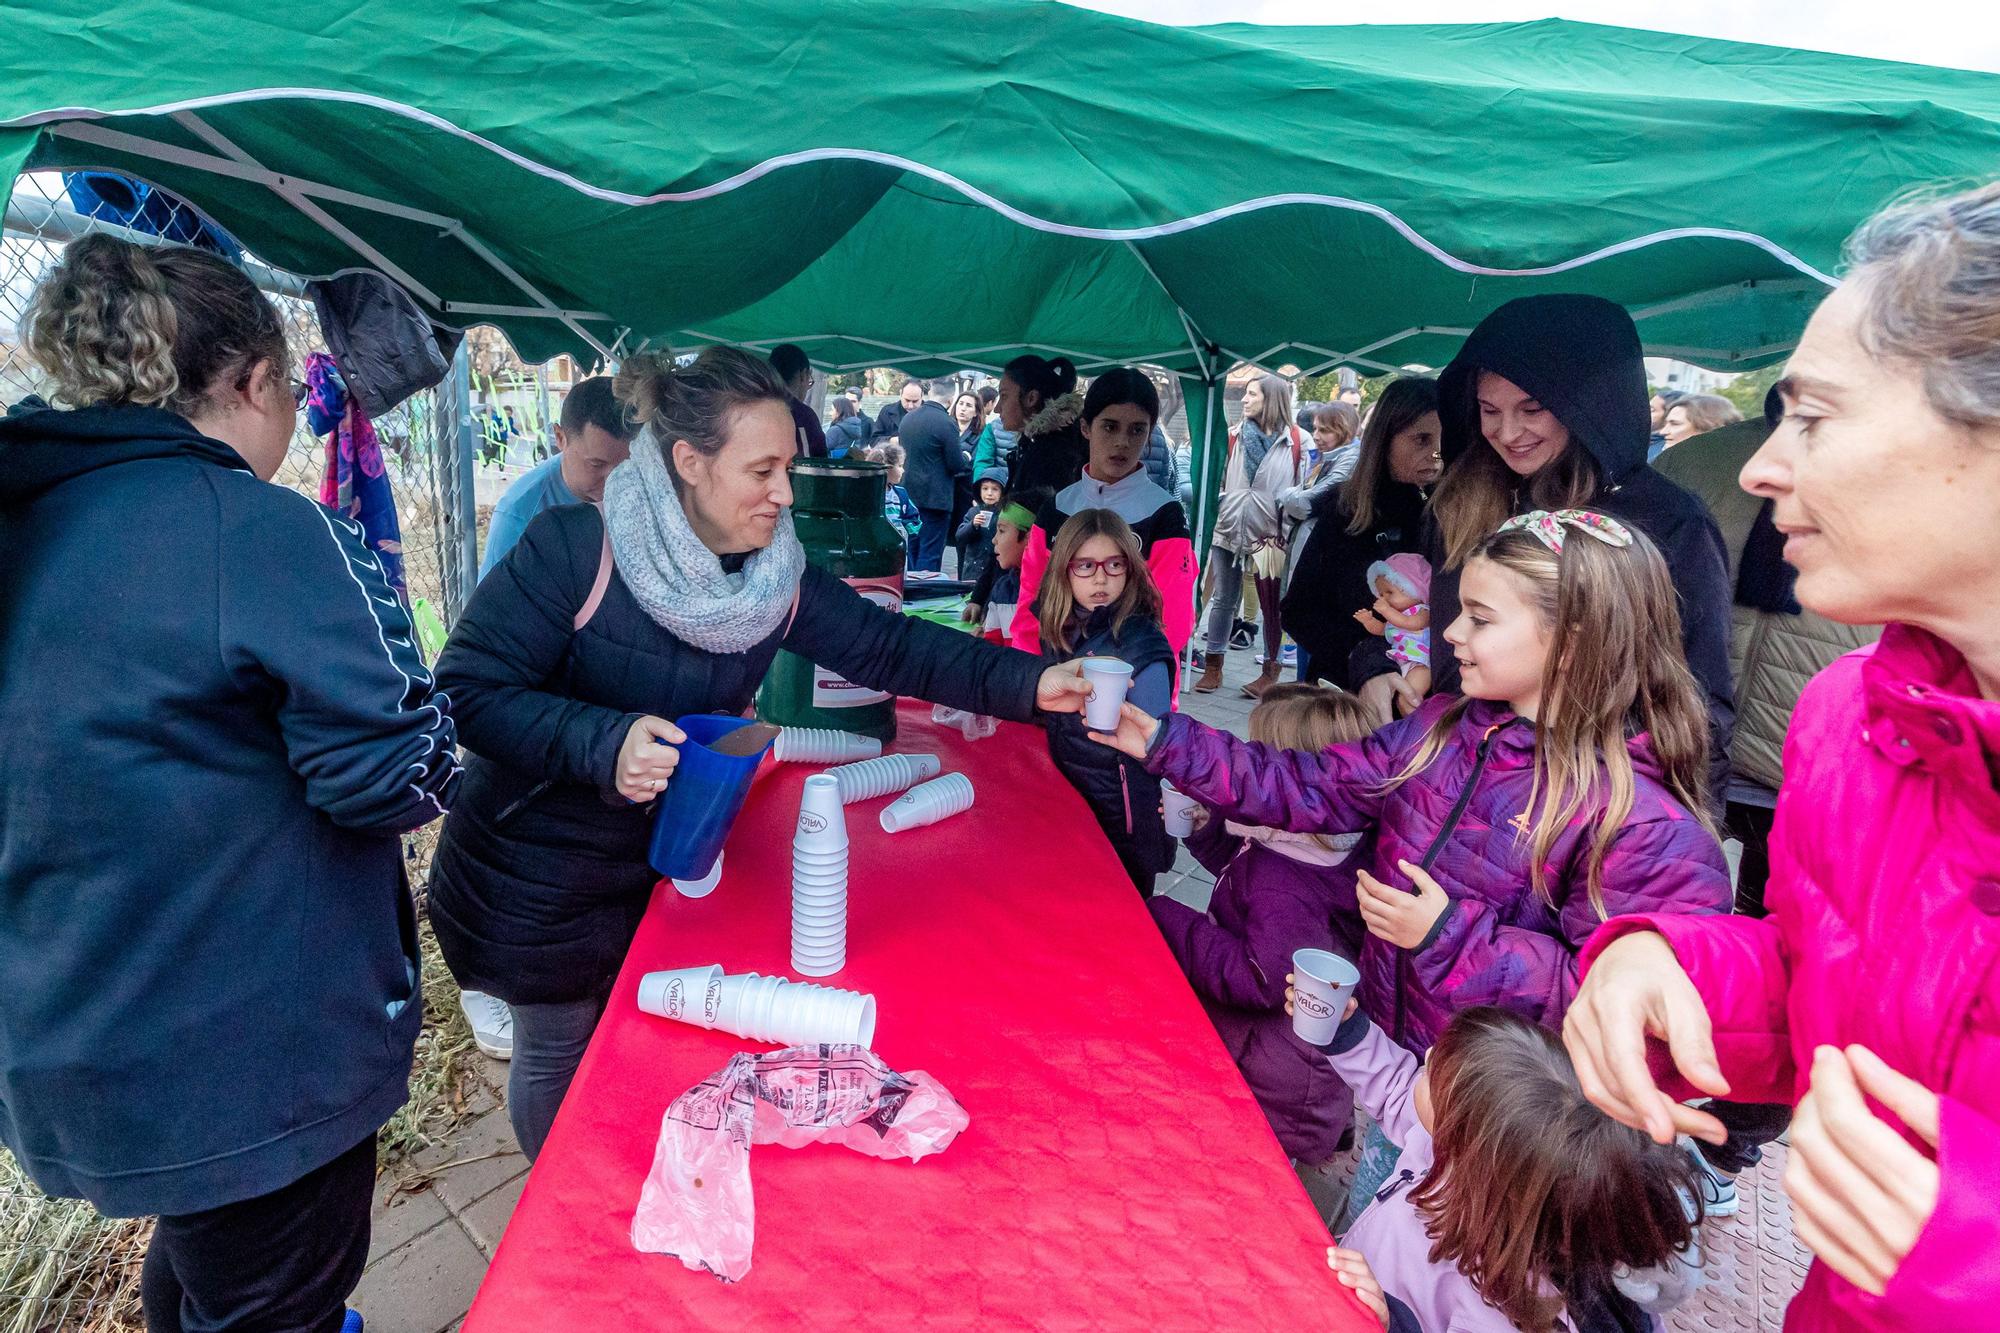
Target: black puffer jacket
x,y
1051,451
1123,796
1330,581
541,875
1580,357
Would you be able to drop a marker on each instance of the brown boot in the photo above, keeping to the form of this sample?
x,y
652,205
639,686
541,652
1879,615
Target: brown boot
x,y
1211,675
1265,680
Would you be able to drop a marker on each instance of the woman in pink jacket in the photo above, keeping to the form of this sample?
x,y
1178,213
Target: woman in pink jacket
x,y
1871,996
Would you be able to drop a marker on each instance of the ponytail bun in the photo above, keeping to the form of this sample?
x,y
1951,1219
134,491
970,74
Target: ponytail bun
x,y
102,326
1062,376
1051,379
121,325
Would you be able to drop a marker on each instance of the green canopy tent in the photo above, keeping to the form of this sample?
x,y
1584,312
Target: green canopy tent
x,y
938,186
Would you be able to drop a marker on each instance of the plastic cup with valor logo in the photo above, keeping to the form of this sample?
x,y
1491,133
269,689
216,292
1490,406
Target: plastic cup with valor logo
x,y
928,802
878,777
1322,984
1178,811
686,995
1109,679
818,745
822,824
701,888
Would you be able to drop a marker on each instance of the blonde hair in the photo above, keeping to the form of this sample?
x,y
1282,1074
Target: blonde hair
x,y
1706,412
1055,604
1477,492
1929,271
1293,715
114,324
1615,670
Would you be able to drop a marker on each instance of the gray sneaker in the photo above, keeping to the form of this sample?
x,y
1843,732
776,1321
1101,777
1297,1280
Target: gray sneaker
x,y
492,1022
1718,1187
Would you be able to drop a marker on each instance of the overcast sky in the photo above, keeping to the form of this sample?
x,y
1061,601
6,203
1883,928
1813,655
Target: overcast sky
x,y
1960,33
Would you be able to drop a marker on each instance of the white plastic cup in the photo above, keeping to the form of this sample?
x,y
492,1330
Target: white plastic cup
x,y
878,777
822,825
928,802
701,888
1109,679
686,995
817,745
1178,810
819,965
1322,984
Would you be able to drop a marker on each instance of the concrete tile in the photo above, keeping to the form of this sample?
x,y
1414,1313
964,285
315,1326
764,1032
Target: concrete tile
x,y
401,1219
424,1286
481,1170
487,1219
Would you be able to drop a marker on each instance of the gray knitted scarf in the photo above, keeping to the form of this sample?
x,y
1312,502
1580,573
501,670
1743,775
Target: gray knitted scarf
x,y
678,581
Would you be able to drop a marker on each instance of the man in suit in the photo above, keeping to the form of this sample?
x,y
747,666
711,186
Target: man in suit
x,y
935,457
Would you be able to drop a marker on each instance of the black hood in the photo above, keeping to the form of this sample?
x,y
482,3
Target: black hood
x,y
40,450
1579,356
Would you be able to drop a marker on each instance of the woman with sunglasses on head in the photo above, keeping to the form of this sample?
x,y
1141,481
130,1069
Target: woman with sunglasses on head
x,y
216,725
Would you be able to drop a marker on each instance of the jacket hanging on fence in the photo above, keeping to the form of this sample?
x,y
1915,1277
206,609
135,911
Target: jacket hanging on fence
x,y
356,484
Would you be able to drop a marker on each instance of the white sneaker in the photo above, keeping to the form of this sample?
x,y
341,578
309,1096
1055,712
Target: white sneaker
x,y
492,1022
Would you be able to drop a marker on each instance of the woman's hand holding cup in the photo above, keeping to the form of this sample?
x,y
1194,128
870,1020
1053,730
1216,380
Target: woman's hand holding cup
x,y
647,759
1062,688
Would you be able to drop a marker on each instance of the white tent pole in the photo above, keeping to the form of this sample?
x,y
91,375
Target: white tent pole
x,y
297,199
520,311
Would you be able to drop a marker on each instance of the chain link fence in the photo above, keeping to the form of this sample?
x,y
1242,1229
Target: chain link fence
x,y
62,1266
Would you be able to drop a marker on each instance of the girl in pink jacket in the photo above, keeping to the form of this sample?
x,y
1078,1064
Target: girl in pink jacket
x,y
1870,997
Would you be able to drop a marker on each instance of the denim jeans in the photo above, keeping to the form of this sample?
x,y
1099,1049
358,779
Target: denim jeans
x,y
549,1041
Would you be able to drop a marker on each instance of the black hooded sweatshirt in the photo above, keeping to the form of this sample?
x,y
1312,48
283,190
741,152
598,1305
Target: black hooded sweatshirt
x,y
1580,357
214,724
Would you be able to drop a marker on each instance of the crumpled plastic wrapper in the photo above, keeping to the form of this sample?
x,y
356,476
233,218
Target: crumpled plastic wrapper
x,y
696,1203
973,726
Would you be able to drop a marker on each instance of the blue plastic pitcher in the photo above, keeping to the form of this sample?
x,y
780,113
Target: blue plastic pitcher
x,y
693,818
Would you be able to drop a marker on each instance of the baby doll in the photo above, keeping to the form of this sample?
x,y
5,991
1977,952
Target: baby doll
x,y
1402,614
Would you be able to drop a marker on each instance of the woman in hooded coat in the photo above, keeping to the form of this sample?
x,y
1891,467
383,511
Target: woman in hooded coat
x,y
1545,407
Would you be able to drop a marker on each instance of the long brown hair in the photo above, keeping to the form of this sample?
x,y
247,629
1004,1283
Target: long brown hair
x,y
1055,604
1403,403
1478,490
1293,715
1532,1186
1615,670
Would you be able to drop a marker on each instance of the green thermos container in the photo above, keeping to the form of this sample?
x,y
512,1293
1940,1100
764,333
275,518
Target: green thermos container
x,y
837,509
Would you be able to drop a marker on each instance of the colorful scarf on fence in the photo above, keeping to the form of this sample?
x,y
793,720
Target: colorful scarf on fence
x,y
356,484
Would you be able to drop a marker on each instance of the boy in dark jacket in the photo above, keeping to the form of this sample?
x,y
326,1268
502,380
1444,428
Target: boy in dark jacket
x,y
974,537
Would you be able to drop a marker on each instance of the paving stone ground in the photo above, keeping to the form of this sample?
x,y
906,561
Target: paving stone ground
x,y
432,1245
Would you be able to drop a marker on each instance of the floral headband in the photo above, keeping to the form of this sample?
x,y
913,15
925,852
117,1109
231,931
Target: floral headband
x,y
1547,527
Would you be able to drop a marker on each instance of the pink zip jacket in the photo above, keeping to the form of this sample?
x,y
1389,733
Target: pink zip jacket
x,y
1156,519
1884,931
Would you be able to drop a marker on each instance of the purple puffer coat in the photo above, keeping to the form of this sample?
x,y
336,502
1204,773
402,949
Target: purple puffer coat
x,y
1462,819
1266,905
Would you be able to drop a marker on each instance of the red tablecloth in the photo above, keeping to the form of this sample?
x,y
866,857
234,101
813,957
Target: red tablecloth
x,y
1116,1173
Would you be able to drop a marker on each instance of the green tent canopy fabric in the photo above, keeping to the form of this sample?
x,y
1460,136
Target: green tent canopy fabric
x,y
937,185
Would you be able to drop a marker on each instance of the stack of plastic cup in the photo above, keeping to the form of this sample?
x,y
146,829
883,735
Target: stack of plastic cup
x,y
794,1013
929,802
688,995
819,880
878,777
813,745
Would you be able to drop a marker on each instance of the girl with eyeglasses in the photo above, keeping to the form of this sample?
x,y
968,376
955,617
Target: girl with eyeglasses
x,y
1099,600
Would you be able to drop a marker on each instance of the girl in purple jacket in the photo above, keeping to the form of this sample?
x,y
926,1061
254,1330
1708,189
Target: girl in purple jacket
x,y
1564,788
1515,1204
1275,893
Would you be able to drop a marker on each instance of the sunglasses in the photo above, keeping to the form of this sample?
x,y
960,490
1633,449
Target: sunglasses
x,y
1083,569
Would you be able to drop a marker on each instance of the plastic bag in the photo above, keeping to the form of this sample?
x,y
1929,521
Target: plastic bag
x,y
696,1202
973,726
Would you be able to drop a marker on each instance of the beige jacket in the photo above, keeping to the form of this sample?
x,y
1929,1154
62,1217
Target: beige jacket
x,y
1771,655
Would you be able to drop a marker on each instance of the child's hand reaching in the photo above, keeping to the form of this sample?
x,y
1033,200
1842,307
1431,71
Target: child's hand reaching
x,y
1135,733
1356,1276
1403,919
1370,622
